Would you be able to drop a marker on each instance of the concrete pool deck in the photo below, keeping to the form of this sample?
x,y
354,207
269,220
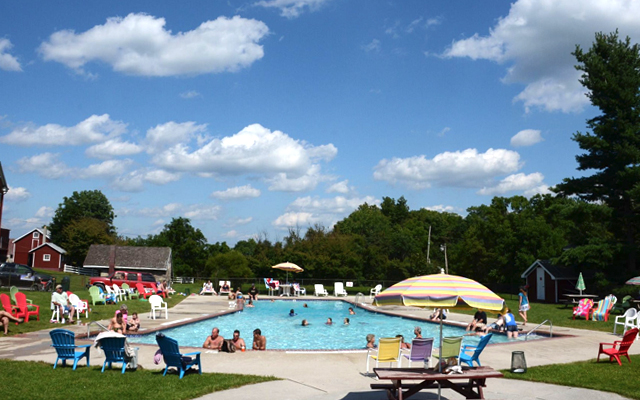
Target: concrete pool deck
x,y
325,375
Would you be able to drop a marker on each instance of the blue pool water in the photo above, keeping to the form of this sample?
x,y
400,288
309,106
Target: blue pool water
x,y
286,333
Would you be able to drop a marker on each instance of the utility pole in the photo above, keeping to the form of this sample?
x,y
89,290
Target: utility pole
x,y
429,247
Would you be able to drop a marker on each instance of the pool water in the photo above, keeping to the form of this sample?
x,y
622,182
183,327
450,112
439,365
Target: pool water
x,y
286,333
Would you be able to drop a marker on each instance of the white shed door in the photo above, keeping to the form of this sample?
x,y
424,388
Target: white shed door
x,y
540,285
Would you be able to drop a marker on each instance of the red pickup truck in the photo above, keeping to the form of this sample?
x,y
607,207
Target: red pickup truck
x,y
128,277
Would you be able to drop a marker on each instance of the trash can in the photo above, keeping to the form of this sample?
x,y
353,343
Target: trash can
x,y
66,283
518,362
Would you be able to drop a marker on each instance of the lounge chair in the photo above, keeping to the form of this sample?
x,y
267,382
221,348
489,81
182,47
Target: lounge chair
x,y
120,294
81,306
131,293
110,295
13,292
601,312
375,291
6,305
173,358
451,347
470,358
225,291
338,289
583,309
421,349
64,343
619,347
268,286
297,290
157,291
23,309
623,306
628,320
157,304
319,290
142,291
113,348
388,351
96,296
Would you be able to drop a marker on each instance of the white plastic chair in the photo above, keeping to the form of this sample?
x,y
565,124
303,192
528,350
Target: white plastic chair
x,y
81,306
111,292
319,290
157,304
375,291
338,289
120,294
297,290
628,320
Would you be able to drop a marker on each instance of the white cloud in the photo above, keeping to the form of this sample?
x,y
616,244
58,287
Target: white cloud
x,y
193,212
443,208
282,182
466,168
231,234
7,61
160,177
373,46
95,129
253,150
536,40
292,219
105,169
171,133
235,193
190,94
113,148
239,221
47,165
134,180
541,189
17,194
202,212
515,182
44,212
341,187
139,44
292,8
444,131
526,137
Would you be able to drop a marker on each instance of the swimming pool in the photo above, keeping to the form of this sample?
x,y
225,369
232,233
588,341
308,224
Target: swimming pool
x,y
286,333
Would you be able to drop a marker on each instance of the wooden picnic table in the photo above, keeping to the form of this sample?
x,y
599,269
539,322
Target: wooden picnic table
x,y
575,298
398,390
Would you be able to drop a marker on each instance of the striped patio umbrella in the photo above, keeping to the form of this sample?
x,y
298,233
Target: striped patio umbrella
x,y
633,281
440,291
580,284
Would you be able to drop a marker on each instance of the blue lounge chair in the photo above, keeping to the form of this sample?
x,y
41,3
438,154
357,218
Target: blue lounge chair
x,y
172,357
65,345
469,359
113,348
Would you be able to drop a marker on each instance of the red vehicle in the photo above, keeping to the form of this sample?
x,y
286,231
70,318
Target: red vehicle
x,y
128,277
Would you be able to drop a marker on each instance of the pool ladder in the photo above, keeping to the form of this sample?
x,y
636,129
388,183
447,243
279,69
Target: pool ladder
x,y
104,328
360,298
538,326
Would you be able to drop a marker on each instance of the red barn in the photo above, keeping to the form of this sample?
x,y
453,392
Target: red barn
x,y
22,246
48,256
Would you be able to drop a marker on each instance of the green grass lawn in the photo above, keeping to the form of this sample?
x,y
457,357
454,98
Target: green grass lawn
x,y
19,377
559,314
605,376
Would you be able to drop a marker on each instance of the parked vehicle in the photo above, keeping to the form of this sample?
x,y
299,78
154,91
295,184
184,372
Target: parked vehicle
x,y
23,276
120,277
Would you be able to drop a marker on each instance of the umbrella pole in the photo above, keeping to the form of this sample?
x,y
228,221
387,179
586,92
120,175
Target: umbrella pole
x,y
440,359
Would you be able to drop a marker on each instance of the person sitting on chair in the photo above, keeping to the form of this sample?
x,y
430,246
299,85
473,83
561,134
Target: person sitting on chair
x,y
225,287
5,317
253,292
438,314
60,299
207,288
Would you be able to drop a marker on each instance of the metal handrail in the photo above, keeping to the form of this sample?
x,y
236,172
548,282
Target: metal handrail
x,y
359,298
104,328
538,326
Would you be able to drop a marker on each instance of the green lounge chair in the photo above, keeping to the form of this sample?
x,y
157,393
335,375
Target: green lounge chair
x,y
132,294
96,296
451,347
13,292
622,307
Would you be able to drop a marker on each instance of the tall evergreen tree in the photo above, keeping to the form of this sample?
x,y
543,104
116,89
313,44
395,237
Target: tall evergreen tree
x,y
611,74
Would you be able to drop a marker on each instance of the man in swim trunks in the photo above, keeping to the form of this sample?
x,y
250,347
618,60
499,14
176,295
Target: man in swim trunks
x,y
238,341
259,341
253,292
214,341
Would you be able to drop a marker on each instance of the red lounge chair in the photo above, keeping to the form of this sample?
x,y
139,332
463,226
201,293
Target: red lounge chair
x,y
619,347
23,309
6,304
157,291
143,291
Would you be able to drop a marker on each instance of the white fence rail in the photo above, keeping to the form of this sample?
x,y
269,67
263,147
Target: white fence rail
x,y
80,270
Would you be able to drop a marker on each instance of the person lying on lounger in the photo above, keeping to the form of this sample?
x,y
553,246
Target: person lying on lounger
x,y
5,317
207,288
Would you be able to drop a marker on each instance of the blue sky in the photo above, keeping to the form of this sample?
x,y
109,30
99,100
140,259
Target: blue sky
x,y
252,117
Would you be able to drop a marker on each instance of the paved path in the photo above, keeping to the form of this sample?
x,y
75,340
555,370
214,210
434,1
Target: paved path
x,y
320,376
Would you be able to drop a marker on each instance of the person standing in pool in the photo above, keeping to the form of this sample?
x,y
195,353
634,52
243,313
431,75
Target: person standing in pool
x,y
329,321
213,342
418,332
238,341
292,313
510,323
351,312
346,321
371,341
305,322
259,341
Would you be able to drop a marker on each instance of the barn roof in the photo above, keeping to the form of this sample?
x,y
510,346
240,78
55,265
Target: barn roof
x,y
557,272
156,258
52,245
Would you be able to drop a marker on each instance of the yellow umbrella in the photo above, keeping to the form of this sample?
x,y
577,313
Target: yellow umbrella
x,y
289,267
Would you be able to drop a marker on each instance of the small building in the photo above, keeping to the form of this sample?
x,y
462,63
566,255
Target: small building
x,y
22,246
48,256
155,260
548,282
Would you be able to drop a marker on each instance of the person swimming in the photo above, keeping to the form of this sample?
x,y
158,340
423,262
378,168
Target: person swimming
x,y
329,321
346,321
292,313
305,322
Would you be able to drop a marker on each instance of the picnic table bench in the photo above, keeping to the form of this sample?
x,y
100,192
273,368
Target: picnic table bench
x,y
398,390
